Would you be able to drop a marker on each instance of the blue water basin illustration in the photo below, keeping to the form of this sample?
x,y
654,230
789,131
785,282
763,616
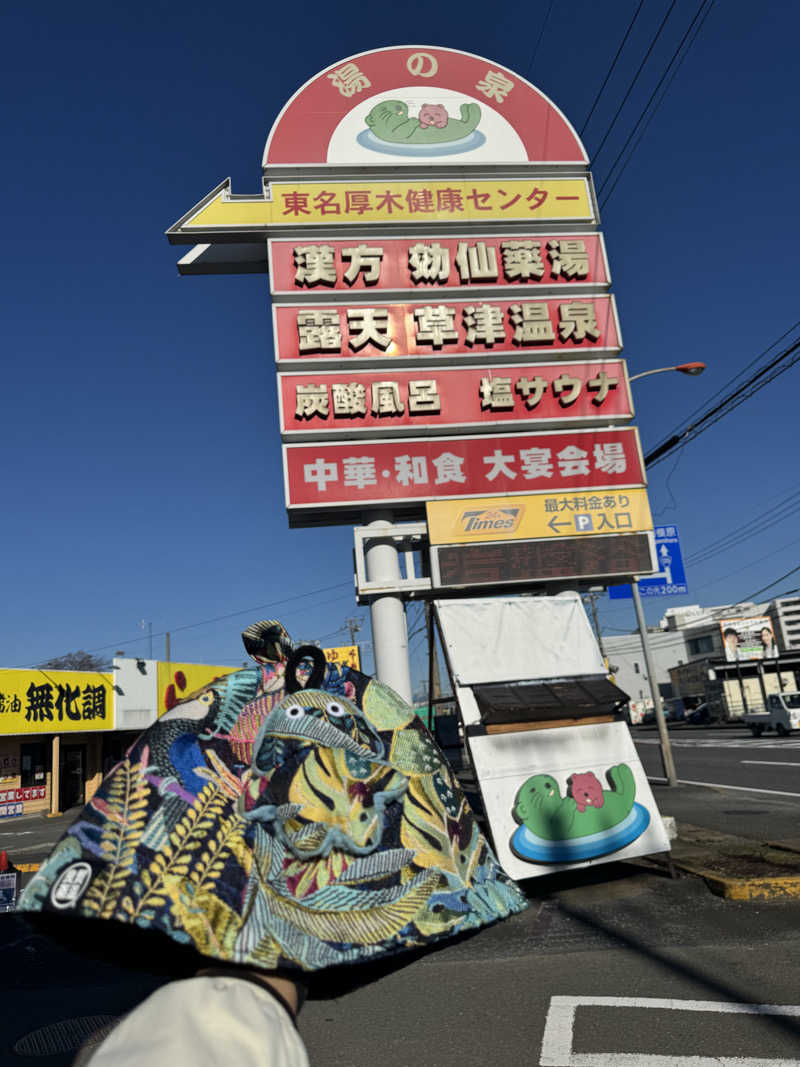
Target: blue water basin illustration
x,y
367,139
529,846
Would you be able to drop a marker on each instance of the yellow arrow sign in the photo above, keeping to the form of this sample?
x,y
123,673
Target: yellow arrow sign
x,y
337,203
515,518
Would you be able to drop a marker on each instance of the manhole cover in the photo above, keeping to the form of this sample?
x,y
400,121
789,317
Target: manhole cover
x,y
64,1036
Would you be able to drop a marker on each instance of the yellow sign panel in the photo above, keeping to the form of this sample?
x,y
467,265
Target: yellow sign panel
x,y
349,203
516,518
346,656
177,681
42,701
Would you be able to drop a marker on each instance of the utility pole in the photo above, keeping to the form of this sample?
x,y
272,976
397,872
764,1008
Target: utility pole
x,y
666,751
592,597
149,627
354,626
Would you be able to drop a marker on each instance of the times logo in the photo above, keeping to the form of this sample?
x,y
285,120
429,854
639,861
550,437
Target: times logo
x,y
488,519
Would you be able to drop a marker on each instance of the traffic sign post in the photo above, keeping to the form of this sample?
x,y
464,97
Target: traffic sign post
x,y
670,579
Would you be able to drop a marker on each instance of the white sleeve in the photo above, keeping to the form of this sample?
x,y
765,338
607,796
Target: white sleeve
x,y
203,1022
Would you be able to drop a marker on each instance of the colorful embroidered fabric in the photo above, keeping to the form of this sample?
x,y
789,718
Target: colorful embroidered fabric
x,y
275,828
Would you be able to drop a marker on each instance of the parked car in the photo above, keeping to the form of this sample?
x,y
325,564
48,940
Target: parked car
x,y
702,715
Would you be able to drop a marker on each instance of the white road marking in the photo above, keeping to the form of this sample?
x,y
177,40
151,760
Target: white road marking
x,y
558,1028
724,785
736,742
15,833
770,762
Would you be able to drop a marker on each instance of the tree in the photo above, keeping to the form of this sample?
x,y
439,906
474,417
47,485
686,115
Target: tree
x,y
76,661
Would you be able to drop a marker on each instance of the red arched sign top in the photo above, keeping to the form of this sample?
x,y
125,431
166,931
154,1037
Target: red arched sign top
x,y
414,105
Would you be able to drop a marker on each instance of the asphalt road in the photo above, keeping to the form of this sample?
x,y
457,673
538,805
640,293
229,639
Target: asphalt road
x,y
616,960
727,756
611,966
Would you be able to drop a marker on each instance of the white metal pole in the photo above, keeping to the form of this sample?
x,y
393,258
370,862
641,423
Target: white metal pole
x,y
666,750
387,614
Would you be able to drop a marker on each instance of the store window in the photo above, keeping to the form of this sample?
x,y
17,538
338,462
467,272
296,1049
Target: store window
x,y
34,764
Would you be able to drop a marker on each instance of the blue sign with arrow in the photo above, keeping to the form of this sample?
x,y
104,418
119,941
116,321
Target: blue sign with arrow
x,y
670,580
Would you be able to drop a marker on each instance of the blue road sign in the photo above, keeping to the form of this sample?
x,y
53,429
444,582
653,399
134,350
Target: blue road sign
x,y
671,577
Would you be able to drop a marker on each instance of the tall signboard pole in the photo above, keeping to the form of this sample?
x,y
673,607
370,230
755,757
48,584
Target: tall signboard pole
x,y
387,613
443,327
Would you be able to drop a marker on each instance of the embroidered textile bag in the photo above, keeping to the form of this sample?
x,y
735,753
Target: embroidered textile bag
x,y
277,826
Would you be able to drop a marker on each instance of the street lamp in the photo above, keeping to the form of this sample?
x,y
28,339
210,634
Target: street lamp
x,y
683,368
667,761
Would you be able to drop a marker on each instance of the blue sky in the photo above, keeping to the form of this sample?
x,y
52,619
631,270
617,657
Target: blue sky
x,y
139,450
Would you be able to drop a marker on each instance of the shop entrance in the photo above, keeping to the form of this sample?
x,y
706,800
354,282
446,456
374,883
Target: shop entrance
x,y
73,776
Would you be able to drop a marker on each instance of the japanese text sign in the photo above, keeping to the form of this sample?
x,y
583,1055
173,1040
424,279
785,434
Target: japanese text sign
x,y
406,106
315,204
380,263
670,579
402,402
356,202
48,702
370,473
328,333
32,792
344,656
750,638
513,518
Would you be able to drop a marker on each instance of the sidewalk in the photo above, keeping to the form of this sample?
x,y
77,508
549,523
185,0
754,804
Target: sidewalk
x,y
743,849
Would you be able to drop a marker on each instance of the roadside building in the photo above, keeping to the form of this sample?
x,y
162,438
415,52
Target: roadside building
x,y
626,662
61,732
730,656
785,615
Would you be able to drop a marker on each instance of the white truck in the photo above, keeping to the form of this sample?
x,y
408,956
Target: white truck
x,y
782,714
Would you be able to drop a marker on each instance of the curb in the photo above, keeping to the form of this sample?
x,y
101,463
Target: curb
x,y
786,887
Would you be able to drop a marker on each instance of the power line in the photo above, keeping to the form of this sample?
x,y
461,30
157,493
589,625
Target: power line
x,y
658,104
727,404
752,596
633,83
747,566
756,359
218,618
611,68
784,510
653,95
539,40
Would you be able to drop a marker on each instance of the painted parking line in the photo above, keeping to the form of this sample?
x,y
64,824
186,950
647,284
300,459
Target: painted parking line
x,y
770,762
724,785
560,1023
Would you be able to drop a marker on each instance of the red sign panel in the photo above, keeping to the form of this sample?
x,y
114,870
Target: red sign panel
x,y
403,402
375,473
32,792
329,333
324,122
426,263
